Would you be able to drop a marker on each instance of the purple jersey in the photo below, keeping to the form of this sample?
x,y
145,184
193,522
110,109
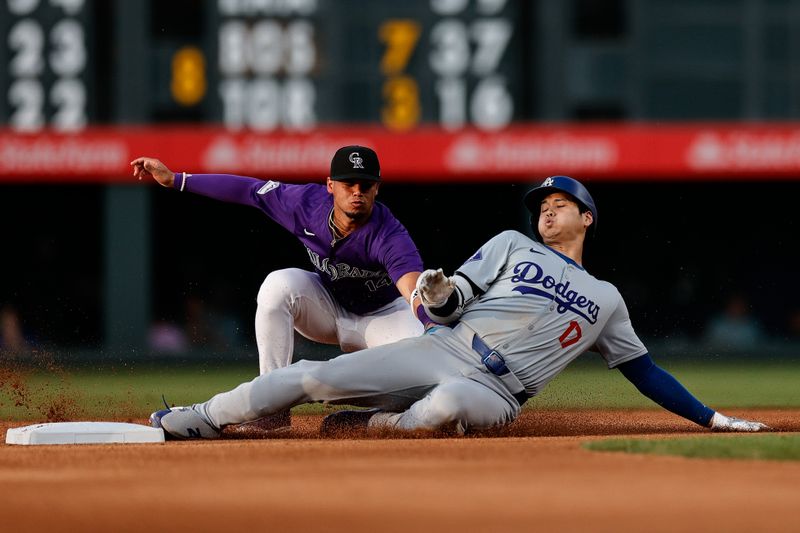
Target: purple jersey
x,y
360,270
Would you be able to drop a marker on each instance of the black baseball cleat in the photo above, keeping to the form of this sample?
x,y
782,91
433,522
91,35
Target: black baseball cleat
x,y
346,422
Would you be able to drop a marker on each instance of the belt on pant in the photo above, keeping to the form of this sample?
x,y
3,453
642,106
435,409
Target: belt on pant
x,y
495,364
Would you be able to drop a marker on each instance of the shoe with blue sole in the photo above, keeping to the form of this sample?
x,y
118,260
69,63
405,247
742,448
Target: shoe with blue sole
x,y
183,423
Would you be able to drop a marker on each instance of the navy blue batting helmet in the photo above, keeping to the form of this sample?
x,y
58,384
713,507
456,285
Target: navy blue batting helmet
x,y
533,198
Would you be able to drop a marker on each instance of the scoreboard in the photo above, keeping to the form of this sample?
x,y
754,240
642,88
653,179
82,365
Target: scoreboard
x,y
264,65
442,89
399,64
46,75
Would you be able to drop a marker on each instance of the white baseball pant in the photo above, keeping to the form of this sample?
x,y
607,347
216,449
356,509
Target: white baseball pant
x,y
295,299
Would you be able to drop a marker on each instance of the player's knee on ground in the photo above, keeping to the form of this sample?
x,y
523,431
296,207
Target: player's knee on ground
x,y
449,407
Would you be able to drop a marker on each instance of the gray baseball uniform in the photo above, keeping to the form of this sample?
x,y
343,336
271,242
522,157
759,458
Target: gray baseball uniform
x,y
527,309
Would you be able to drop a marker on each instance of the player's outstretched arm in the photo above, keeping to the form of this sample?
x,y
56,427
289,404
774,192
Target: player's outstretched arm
x,y
224,187
661,387
407,283
150,167
407,286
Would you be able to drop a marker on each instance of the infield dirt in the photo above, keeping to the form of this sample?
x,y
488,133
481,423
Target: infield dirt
x,y
533,476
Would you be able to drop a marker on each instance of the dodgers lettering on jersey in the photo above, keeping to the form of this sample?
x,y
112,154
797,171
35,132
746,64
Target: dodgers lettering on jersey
x,y
360,270
532,274
541,310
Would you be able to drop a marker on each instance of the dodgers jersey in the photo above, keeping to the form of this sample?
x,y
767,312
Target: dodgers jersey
x,y
540,310
360,271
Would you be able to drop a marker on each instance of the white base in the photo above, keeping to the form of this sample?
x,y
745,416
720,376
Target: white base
x,y
84,433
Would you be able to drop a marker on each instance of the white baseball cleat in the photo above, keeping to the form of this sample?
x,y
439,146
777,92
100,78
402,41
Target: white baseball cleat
x,y
183,423
720,422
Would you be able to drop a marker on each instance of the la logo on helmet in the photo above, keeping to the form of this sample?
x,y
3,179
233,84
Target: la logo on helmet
x,y
548,182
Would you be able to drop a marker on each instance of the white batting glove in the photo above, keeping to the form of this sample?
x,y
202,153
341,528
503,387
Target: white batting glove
x,y
434,287
720,422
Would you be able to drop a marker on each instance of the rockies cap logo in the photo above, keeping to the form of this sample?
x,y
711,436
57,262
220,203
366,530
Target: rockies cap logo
x,y
356,160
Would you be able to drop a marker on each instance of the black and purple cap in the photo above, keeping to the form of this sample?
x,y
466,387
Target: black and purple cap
x,y
355,163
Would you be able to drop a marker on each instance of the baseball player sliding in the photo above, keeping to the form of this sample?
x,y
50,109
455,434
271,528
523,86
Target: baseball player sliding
x,y
520,311
365,263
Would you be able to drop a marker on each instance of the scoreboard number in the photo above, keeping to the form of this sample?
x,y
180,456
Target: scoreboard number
x,y
402,109
46,65
188,85
458,50
265,68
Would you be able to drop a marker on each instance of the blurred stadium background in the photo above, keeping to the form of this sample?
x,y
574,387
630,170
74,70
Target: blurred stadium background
x,y
682,116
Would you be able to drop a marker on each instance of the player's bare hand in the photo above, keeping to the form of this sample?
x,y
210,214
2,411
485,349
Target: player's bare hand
x,y
720,422
150,167
434,287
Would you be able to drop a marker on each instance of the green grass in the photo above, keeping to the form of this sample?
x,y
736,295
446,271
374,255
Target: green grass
x,y
133,390
764,447
719,384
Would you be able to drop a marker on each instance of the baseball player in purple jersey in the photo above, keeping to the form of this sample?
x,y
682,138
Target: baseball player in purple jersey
x,y
365,265
519,310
